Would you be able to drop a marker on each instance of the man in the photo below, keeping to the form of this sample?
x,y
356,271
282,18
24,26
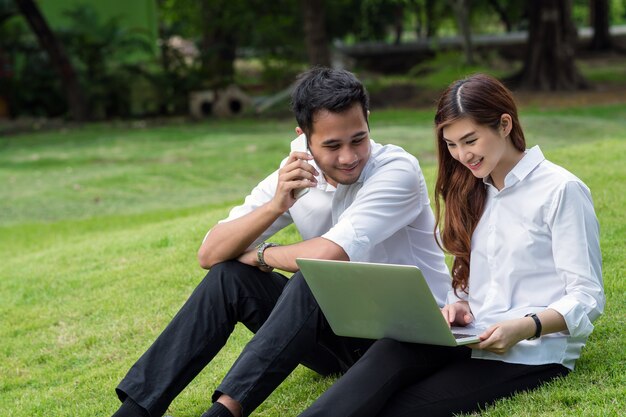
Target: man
x,y
366,202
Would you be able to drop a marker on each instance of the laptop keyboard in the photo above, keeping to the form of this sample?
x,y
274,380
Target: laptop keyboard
x,y
462,335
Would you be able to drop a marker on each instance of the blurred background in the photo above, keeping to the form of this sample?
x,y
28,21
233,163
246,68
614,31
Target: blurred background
x,y
84,60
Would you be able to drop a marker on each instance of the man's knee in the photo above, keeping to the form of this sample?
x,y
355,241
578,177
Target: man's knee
x,y
297,284
230,268
227,278
297,281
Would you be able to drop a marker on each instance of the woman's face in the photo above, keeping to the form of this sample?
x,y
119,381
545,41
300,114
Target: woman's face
x,y
483,150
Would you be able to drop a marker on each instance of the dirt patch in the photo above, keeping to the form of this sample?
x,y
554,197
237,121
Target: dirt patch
x,y
410,96
403,96
598,94
609,91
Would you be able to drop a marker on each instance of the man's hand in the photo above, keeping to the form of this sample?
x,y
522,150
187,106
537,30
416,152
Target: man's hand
x,y
500,337
250,258
297,173
457,314
230,239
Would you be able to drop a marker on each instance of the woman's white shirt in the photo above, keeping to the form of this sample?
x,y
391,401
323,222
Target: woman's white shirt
x,y
536,246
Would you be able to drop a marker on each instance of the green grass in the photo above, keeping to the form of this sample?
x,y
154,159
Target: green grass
x,y
99,227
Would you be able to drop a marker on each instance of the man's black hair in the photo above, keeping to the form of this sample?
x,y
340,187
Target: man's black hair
x,y
329,89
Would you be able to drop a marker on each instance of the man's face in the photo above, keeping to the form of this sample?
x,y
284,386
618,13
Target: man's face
x,y
340,144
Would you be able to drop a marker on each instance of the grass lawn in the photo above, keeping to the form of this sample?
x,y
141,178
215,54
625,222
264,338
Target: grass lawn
x,y
99,228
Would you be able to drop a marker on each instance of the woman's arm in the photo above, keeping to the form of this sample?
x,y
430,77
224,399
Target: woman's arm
x,y
500,337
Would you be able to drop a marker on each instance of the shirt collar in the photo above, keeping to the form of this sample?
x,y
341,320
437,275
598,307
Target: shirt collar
x,y
531,159
322,184
370,165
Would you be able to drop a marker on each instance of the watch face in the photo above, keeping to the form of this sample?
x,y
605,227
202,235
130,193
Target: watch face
x,y
260,253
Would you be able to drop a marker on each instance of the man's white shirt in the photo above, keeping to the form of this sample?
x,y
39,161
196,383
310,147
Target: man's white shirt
x,y
384,217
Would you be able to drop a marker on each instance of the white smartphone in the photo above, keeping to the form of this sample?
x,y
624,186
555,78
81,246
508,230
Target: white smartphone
x,y
299,145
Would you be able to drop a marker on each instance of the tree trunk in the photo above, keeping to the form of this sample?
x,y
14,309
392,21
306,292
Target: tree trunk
x,y
58,58
398,23
431,25
218,46
164,39
461,11
601,22
316,42
418,21
551,47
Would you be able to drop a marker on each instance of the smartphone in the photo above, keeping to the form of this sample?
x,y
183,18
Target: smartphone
x,y
299,145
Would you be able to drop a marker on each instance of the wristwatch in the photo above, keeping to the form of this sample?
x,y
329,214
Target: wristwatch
x,y
260,249
537,323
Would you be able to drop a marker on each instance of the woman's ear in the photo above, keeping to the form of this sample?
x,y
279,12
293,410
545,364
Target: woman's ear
x,y
299,131
506,124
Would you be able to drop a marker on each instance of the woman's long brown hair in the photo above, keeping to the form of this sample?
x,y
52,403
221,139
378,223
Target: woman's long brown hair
x,y
482,99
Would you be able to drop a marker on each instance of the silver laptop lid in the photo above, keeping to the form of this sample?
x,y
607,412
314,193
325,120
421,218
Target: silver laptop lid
x,y
373,301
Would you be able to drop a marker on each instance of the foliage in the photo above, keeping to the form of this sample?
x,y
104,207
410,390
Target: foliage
x,y
267,33
105,57
103,54
582,17
256,29
492,16
99,227
31,88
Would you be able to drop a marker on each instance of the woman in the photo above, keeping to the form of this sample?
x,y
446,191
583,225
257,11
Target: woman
x,y
527,267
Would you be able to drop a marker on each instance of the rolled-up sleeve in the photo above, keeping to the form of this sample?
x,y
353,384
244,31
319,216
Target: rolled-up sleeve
x,y
388,200
577,258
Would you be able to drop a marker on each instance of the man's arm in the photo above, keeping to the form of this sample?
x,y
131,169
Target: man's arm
x,y
388,201
230,239
284,257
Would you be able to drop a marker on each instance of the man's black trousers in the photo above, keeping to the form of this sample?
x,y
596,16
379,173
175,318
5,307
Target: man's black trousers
x,y
289,326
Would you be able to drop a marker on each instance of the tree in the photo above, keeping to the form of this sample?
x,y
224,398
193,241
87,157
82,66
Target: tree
x,y
219,43
222,29
59,59
600,21
315,38
431,18
551,46
461,11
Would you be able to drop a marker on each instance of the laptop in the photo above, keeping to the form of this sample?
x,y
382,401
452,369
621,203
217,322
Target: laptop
x,y
372,301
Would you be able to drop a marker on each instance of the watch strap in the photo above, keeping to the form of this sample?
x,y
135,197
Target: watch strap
x,y
537,324
260,251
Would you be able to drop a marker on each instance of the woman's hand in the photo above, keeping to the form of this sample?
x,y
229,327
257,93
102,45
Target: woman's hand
x,y
457,314
500,337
